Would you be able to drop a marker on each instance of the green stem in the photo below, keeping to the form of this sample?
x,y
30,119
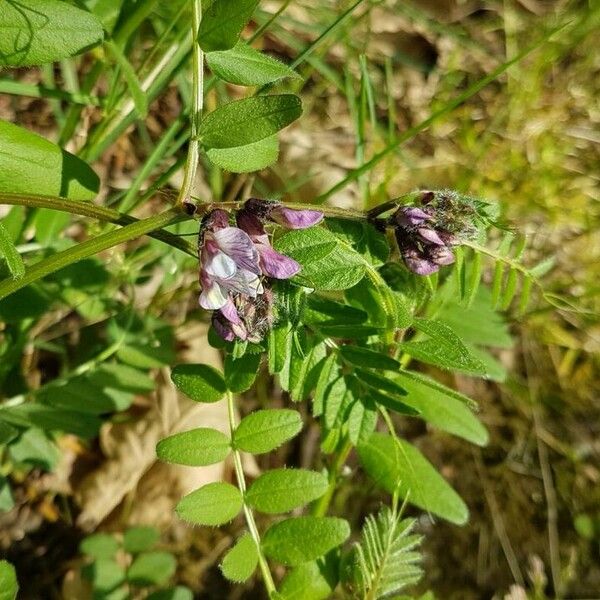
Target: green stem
x,y
90,248
197,106
239,473
321,507
87,209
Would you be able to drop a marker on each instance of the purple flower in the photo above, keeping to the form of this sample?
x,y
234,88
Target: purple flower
x,y
235,262
229,262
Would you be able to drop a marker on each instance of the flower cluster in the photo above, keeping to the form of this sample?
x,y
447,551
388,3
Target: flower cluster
x,y
426,234
237,261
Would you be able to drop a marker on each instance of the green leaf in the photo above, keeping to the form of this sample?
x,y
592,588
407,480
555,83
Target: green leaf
x,y
195,448
327,263
391,462
329,373
313,580
8,581
380,382
321,310
278,346
222,23
213,504
201,383
138,539
6,498
249,120
52,419
370,359
135,89
444,411
240,373
7,433
246,159
105,574
13,259
443,349
240,562
265,430
386,556
369,242
176,593
362,420
35,449
34,32
30,164
299,540
282,490
243,65
152,568
99,545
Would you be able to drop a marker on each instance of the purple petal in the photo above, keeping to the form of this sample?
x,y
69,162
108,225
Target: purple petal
x,y
223,329
229,311
430,235
440,255
237,244
277,265
217,219
295,219
250,223
411,216
420,266
448,238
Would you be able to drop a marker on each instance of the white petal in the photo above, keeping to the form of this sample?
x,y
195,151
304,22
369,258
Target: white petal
x,y
243,282
213,297
220,265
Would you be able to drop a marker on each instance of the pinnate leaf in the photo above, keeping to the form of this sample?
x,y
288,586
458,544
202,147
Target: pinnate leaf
x,y
201,383
299,540
249,120
282,490
390,462
195,448
240,562
265,430
212,504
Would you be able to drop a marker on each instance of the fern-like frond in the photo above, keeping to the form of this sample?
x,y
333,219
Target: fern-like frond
x,y
386,556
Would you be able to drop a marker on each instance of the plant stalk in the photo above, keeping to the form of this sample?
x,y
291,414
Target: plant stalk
x,y
239,473
90,248
197,105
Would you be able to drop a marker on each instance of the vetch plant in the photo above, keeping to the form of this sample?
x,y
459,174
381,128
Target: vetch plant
x,y
331,306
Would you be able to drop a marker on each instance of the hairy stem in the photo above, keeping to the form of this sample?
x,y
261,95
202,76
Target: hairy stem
x,y
197,106
87,209
241,480
89,248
